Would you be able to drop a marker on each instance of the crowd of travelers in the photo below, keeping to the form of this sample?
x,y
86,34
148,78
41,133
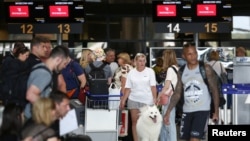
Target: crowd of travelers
x,y
55,78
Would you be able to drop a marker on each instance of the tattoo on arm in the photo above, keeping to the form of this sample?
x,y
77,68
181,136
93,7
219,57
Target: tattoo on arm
x,y
213,86
177,94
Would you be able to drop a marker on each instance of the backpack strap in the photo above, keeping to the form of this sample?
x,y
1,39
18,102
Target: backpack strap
x,y
174,69
72,70
102,66
182,69
92,66
47,69
176,74
203,72
214,63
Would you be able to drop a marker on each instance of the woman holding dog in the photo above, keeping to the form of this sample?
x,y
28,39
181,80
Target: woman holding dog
x,y
168,132
140,90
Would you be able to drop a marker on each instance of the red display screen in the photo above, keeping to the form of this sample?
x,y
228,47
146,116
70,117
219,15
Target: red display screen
x,y
45,11
19,11
58,11
206,10
166,10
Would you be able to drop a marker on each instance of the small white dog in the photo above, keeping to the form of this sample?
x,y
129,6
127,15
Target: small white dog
x,y
149,124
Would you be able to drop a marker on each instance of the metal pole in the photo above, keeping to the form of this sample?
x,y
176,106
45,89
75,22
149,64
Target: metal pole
x,y
59,39
235,110
225,111
196,39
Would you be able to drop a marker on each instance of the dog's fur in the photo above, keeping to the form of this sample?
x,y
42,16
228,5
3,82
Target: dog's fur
x,y
149,124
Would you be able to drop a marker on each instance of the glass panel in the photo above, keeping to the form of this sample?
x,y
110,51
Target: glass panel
x,y
241,27
5,48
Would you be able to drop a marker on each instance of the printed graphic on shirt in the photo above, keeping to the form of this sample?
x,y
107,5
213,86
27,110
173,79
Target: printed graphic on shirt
x,y
193,91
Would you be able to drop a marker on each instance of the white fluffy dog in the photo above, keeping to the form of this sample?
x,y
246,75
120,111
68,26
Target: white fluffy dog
x,y
149,124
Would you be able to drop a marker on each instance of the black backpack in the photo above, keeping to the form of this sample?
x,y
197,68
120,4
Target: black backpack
x,y
97,72
14,89
222,100
98,87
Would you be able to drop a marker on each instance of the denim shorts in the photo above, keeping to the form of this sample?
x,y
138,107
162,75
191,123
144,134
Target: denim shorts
x,y
134,104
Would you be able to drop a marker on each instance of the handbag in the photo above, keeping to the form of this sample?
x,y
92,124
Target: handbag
x,y
114,96
82,94
123,127
164,98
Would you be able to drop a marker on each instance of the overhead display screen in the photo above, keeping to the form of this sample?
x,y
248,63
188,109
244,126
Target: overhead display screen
x,y
212,11
166,10
206,10
169,11
196,11
60,11
44,12
205,16
19,11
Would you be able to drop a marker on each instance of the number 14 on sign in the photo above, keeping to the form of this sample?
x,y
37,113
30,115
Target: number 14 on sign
x,y
173,27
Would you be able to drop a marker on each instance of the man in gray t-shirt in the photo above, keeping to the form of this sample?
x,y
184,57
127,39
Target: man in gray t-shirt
x,y
40,78
196,97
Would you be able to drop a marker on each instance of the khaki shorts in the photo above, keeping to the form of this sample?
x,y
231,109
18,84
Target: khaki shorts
x,y
134,105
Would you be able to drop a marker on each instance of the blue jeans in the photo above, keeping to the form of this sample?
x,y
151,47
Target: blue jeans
x,y
168,132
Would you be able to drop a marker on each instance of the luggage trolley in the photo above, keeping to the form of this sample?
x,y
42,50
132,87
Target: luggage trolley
x,y
101,117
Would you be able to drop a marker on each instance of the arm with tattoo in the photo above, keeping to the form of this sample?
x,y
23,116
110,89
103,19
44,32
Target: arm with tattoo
x,y
213,86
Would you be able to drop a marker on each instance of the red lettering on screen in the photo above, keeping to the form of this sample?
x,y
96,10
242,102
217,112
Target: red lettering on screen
x,y
206,10
166,10
59,11
19,11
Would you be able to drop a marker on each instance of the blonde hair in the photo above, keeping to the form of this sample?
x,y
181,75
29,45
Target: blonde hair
x,y
138,55
41,111
84,61
169,59
125,56
214,55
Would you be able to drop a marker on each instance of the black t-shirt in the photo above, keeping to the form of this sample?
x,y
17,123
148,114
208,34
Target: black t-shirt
x,y
32,60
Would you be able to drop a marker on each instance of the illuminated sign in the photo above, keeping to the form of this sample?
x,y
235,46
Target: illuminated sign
x,y
19,11
58,11
44,12
207,16
166,10
206,10
189,12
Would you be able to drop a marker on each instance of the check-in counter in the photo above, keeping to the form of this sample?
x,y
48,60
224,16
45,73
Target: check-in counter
x,y
240,105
